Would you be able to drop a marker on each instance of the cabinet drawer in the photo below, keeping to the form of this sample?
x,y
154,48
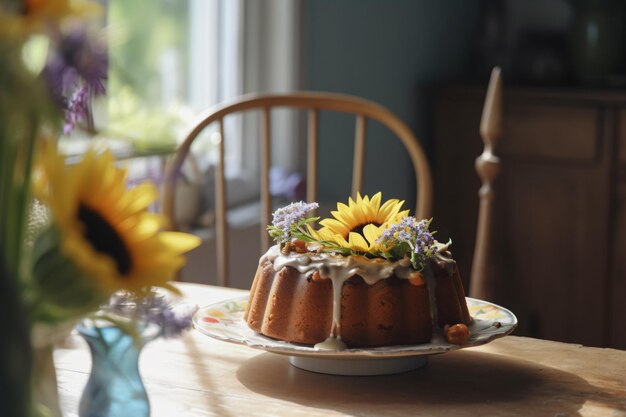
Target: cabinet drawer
x,y
544,131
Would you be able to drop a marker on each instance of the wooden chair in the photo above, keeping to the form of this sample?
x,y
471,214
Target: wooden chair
x,y
313,103
483,278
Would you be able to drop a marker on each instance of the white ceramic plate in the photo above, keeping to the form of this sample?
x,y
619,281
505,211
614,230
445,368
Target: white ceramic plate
x,y
224,321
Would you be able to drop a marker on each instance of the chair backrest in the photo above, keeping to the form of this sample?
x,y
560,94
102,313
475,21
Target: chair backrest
x,y
313,103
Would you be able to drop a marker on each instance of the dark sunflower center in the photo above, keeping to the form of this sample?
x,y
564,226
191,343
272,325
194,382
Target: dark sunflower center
x,y
359,229
104,238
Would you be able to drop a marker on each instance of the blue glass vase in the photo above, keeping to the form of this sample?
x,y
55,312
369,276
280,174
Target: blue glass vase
x,y
115,388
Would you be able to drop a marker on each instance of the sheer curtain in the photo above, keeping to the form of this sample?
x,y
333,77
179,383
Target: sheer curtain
x,y
239,47
272,34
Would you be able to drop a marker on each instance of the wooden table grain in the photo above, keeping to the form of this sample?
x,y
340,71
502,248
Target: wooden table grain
x,y
196,376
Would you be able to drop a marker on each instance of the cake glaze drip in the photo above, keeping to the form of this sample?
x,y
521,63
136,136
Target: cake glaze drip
x,y
442,260
339,269
331,343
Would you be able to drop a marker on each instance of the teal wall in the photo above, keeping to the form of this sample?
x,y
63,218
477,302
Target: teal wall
x,y
386,51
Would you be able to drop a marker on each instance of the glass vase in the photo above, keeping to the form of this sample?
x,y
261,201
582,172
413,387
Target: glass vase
x,y
115,387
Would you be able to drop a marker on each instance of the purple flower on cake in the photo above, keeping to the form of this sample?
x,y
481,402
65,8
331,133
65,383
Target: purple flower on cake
x,y
412,233
287,221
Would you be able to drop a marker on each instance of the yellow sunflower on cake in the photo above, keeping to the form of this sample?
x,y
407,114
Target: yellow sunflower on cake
x,y
357,225
102,237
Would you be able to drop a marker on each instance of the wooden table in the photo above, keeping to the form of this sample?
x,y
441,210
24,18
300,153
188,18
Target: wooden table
x,y
514,376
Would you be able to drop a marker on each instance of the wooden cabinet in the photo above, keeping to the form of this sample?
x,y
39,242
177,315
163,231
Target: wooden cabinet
x,y
560,222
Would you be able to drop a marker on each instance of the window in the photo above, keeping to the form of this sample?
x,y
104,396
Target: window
x,y
173,59
170,60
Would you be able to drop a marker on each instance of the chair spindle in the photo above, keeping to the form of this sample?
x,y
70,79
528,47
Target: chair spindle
x,y
482,283
220,210
312,152
266,198
359,154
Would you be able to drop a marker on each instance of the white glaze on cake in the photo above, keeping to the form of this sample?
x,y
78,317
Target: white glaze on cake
x,y
339,268
331,343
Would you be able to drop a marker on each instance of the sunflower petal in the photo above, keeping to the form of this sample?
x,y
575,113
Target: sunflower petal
x,y
357,242
326,234
397,207
375,202
366,207
139,197
340,241
322,234
181,242
149,226
358,211
402,214
343,217
336,226
372,233
388,210
314,233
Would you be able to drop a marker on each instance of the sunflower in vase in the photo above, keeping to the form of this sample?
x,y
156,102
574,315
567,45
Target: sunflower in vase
x,y
102,237
101,243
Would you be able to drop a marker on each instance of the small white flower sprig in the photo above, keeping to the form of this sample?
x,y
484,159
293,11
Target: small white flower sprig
x,y
409,238
290,222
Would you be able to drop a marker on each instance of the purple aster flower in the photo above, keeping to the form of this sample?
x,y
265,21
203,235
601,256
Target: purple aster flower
x,y
413,234
286,219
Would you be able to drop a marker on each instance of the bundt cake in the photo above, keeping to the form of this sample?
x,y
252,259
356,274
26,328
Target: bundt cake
x,y
393,284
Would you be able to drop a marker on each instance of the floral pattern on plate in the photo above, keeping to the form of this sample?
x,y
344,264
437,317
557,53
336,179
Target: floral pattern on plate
x,y
224,321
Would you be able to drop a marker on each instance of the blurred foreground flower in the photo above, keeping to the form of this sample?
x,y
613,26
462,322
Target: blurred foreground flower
x,y
101,239
92,236
75,72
